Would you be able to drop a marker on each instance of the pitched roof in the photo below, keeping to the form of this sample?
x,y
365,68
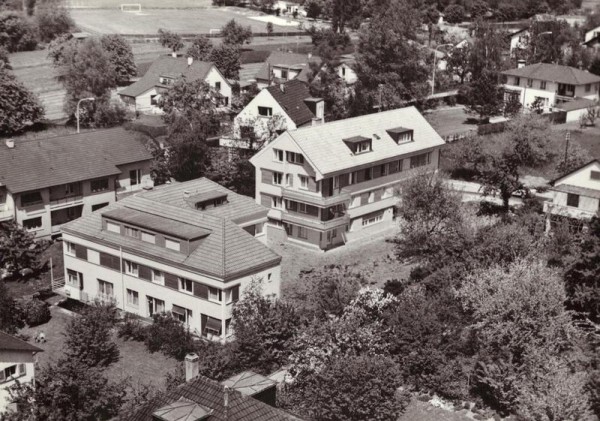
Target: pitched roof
x,y
40,163
323,145
229,252
249,73
554,73
279,58
557,179
167,66
10,343
291,95
249,383
211,395
576,104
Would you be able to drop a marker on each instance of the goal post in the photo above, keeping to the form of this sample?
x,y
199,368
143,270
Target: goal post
x,y
131,7
214,31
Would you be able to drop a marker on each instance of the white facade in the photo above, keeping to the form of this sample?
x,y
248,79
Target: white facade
x,y
518,40
14,366
347,74
593,33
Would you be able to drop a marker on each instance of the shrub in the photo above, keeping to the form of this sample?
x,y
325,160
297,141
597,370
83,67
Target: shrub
x,y
53,22
36,312
17,33
132,329
109,115
169,336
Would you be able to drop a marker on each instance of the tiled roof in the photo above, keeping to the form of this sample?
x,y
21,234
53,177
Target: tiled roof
x,y
278,58
554,73
41,163
211,394
582,191
10,343
323,145
227,253
249,383
291,98
576,104
237,209
249,73
164,66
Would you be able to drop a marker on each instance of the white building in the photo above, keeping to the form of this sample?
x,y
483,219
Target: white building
x,y
143,95
17,363
189,249
550,84
281,67
519,40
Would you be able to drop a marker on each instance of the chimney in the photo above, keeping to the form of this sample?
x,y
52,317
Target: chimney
x,y
520,64
191,366
10,143
282,87
174,54
317,107
190,60
186,194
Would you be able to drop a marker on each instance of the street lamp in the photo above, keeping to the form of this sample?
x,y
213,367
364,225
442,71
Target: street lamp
x,y
77,112
434,59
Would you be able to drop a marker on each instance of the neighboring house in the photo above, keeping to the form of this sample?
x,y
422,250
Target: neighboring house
x,y
45,183
249,383
333,183
519,40
345,69
143,95
576,196
201,398
576,108
591,34
593,43
287,7
281,67
189,249
551,83
17,363
287,104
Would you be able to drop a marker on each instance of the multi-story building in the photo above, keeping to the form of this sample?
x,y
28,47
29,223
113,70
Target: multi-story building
x,y
329,184
576,196
45,183
17,364
549,84
189,249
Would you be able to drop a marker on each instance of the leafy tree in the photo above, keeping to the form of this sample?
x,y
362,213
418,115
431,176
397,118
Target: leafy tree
x,y
89,337
236,34
506,12
18,106
328,85
169,335
59,47
345,12
11,314
484,96
233,170
545,41
313,8
170,40
187,99
487,51
159,169
501,175
200,49
18,248
458,62
53,22
269,28
16,32
36,312
188,156
4,61
454,13
227,59
120,56
478,9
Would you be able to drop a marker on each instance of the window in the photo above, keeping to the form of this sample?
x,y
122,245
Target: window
x,y
269,276
383,169
112,227
289,180
363,147
99,185
99,206
588,87
529,83
573,200
172,244
294,158
331,235
182,314
517,81
155,305
278,155
420,160
148,238
214,294
284,74
212,327
595,175
132,232
185,285
303,182
371,198
265,111
105,290
218,86
30,199
302,232
69,248
542,84
12,372
32,223
258,229
372,218
277,178
277,202
302,207
158,277
133,298
393,167
131,268
74,279
343,71
135,177
153,100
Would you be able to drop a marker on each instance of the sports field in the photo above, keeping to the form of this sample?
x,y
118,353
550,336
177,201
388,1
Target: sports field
x,y
148,21
146,4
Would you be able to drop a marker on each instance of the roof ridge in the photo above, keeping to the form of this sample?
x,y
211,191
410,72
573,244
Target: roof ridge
x,y
130,202
17,140
224,249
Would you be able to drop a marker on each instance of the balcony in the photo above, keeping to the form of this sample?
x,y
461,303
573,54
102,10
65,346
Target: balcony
x,y
372,207
65,202
312,222
6,213
568,211
314,199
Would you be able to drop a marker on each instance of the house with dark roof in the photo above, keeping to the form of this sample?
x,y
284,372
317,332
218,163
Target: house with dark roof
x,y
189,249
281,67
45,183
17,363
334,183
143,95
576,196
201,398
549,85
288,105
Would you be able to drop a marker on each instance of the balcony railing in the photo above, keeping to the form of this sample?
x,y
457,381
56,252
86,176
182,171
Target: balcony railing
x,y
314,199
66,201
307,221
6,213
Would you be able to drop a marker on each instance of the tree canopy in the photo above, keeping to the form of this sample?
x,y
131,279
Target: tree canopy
x,y
18,106
235,34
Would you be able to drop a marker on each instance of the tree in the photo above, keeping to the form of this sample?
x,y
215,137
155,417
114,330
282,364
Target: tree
x,y
227,59
236,34
16,33
18,106
487,51
313,9
89,337
337,97
170,40
458,62
53,22
200,49
484,96
18,248
478,9
11,314
269,28
4,61
344,12
454,13
120,56
500,175
188,156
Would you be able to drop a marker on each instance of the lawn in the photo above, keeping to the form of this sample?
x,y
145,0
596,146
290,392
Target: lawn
x,y
449,121
146,4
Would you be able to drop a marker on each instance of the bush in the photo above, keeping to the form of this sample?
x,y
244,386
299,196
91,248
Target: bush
x,y
132,329
53,22
169,336
36,312
109,115
17,33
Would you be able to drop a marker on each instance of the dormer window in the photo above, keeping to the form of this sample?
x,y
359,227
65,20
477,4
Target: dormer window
x,y
210,199
359,144
401,135
166,80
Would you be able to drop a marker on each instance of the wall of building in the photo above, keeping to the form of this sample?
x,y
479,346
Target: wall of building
x,y
215,76
249,115
24,358
7,205
123,181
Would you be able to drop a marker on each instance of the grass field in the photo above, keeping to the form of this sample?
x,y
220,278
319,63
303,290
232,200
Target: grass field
x,y
190,21
146,4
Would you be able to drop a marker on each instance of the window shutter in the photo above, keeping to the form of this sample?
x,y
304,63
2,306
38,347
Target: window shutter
x,y
105,260
171,281
291,180
377,171
364,199
145,272
80,252
200,290
21,369
267,177
312,210
235,293
344,178
377,195
312,184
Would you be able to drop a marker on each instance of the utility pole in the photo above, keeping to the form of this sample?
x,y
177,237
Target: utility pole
x,y
567,138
